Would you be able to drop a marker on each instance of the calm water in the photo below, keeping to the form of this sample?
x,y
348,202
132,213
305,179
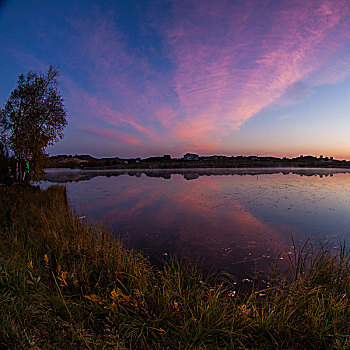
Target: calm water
x,y
237,221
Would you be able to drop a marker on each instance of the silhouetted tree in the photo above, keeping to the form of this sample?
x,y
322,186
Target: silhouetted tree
x,y
34,117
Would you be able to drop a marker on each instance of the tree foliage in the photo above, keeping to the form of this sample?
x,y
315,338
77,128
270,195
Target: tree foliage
x,y
34,117
4,157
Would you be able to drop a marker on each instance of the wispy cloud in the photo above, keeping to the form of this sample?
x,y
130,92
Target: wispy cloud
x,y
234,62
229,61
114,134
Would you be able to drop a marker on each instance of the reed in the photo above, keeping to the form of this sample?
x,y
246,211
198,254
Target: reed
x,y
66,284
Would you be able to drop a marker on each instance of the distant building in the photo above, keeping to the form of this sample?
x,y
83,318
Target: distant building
x,y
191,156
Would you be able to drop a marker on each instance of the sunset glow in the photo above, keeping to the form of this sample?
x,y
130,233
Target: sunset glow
x,y
143,78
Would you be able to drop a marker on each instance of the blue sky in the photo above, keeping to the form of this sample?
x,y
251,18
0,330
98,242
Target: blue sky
x,y
142,78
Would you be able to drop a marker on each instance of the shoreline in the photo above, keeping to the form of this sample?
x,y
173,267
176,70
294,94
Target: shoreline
x,y
198,168
66,284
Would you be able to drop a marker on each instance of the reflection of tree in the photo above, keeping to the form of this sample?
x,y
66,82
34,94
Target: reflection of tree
x,y
163,174
66,176
191,176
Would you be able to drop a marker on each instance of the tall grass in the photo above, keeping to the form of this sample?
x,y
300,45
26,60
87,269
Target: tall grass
x,y
68,285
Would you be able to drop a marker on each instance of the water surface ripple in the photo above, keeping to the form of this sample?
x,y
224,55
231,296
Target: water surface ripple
x,y
237,220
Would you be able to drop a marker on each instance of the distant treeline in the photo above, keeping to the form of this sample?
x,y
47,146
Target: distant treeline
x,y
166,162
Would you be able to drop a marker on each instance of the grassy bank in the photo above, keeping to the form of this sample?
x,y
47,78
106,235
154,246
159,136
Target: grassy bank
x,y
64,285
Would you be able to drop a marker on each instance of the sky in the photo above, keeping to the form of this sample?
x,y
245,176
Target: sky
x,y
145,78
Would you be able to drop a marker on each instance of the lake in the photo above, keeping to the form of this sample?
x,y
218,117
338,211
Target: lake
x,y
235,220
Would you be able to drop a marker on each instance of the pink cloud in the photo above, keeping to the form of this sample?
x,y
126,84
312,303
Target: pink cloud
x,y
224,77
231,60
94,108
114,134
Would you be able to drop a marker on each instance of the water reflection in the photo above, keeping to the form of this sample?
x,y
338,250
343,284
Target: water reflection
x,y
237,223
68,175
